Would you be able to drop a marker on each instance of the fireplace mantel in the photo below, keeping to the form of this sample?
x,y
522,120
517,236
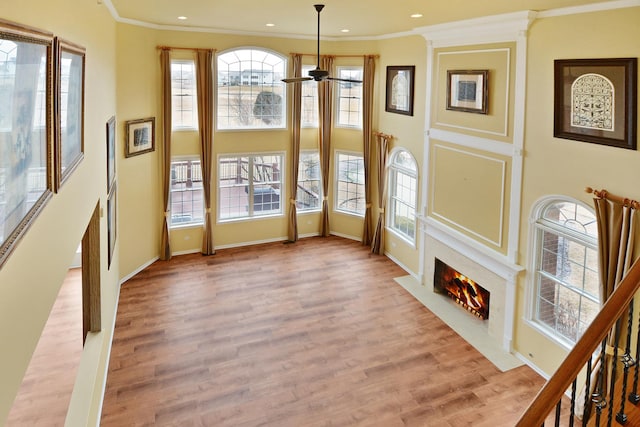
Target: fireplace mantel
x,y
493,336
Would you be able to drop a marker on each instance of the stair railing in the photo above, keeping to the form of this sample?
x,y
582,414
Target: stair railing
x,y
611,316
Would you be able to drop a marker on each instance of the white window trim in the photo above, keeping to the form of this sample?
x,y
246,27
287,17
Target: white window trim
x,y
411,242
283,189
307,67
337,99
285,95
534,254
319,208
182,158
194,111
336,173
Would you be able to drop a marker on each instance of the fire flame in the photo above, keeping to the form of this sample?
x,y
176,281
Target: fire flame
x,y
466,292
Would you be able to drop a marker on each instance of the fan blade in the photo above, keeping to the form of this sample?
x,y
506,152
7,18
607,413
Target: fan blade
x,y
296,79
344,80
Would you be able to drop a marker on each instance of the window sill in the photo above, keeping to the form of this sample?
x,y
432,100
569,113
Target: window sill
x,y
549,334
358,215
249,218
402,237
189,225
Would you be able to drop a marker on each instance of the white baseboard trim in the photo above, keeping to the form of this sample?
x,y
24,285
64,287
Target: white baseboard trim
x,y
401,265
531,365
138,270
187,252
346,236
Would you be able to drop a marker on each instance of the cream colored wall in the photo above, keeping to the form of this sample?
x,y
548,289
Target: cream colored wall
x,y
470,187
31,277
138,96
408,131
560,166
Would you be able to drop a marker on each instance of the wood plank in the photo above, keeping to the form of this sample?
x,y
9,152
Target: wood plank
x,y
312,333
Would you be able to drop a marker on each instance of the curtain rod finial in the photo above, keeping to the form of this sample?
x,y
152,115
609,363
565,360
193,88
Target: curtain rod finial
x,y
588,189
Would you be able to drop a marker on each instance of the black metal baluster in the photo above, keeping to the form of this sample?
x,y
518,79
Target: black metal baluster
x,y
614,371
628,361
587,388
558,409
574,387
597,397
634,397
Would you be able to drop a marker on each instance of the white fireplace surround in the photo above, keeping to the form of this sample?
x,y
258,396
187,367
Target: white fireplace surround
x,y
492,337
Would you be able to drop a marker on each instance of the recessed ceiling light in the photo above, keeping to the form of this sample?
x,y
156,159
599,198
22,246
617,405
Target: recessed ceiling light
x,y
182,18
416,15
346,30
271,25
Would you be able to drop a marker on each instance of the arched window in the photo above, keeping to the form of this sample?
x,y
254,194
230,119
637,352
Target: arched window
x,y
251,94
403,194
565,268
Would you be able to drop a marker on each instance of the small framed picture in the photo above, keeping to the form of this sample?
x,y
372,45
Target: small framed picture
x,y
68,103
468,91
140,136
595,100
111,152
399,93
112,223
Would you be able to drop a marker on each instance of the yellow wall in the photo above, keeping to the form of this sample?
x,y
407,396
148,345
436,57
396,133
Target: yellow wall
x,y
565,167
138,97
123,79
31,277
407,131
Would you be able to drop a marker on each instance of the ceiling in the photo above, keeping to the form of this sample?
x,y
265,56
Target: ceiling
x,y
297,18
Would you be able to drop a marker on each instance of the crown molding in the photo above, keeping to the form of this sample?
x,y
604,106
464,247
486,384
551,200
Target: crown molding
x,y
488,29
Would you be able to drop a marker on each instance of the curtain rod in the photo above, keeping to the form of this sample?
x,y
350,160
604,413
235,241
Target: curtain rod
x,y
335,56
384,135
604,194
184,48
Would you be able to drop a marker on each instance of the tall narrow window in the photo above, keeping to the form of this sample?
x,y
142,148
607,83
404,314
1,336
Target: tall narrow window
x,y
249,186
566,269
184,105
350,183
309,115
187,206
309,193
349,99
403,193
251,94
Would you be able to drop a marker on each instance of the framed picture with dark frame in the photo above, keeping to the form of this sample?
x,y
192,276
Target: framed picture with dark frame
x,y
468,91
111,152
26,116
595,100
68,104
399,93
140,136
112,223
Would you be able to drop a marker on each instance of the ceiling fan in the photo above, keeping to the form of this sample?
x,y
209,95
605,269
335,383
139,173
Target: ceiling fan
x,y
318,74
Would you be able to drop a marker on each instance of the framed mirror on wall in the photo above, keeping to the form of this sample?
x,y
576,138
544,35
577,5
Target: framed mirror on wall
x,y
68,109
26,69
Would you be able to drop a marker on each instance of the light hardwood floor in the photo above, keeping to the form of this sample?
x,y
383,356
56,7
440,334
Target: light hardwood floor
x,y
43,397
315,333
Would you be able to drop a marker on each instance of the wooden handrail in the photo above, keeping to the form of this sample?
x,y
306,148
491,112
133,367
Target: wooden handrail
x,y
552,392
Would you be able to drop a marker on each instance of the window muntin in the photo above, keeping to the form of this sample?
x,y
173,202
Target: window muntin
x,y
184,101
403,194
309,110
187,194
309,193
349,98
350,197
251,94
567,296
249,186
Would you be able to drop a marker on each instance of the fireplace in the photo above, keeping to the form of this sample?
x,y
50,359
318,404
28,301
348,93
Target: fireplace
x,y
464,291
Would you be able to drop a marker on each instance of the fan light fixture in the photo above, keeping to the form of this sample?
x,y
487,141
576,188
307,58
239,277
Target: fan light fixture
x,y
317,74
